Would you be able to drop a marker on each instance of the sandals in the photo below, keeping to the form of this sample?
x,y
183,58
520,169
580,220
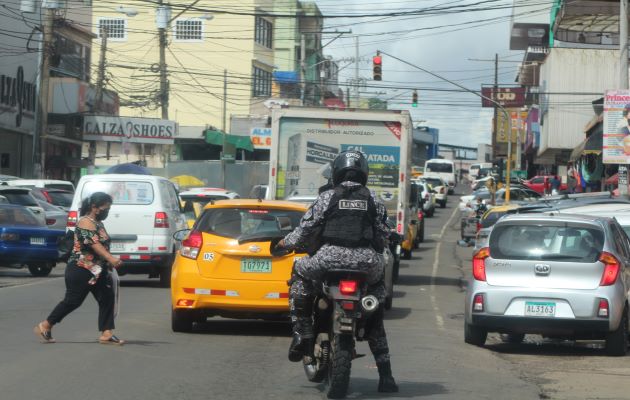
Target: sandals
x,y
44,335
112,340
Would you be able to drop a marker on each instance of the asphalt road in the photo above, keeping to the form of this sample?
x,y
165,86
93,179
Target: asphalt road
x,y
234,359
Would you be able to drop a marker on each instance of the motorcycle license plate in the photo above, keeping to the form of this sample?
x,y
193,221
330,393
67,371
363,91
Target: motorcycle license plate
x,y
256,265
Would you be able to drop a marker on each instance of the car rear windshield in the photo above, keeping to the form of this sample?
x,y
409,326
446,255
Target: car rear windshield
x,y
18,216
434,182
439,167
535,242
20,197
123,192
63,199
239,222
491,218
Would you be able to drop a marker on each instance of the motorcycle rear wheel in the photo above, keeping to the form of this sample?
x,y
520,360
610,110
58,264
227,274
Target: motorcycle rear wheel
x,y
342,347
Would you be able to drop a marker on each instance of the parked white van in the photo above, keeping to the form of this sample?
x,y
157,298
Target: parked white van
x,y
473,171
441,168
43,183
144,215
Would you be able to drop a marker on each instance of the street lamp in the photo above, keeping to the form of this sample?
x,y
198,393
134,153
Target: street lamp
x,y
130,12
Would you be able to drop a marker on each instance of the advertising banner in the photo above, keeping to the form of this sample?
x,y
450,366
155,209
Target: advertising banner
x,y
308,145
129,129
518,119
616,138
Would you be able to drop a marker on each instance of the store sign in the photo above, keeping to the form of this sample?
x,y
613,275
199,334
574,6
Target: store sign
x,y
261,138
17,99
129,129
506,96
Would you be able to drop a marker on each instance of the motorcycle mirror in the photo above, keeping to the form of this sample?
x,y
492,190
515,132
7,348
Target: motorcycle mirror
x,y
277,252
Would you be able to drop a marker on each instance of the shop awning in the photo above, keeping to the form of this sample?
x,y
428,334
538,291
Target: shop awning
x,y
240,142
591,145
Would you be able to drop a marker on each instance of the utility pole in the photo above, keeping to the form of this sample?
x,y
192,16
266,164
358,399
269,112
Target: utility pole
x,y
223,155
623,74
496,114
162,34
303,65
44,91
98,101
356,71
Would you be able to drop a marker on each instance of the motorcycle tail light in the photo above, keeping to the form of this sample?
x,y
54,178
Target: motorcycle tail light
x,y
347,305
348,287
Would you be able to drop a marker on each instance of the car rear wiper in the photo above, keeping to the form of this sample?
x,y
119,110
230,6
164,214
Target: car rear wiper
x,y
259,237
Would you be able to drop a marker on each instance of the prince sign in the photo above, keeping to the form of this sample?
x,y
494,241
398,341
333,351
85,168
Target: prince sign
x,y
129,129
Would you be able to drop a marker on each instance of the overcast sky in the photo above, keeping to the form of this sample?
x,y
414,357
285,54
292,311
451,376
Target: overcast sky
x,y
449,51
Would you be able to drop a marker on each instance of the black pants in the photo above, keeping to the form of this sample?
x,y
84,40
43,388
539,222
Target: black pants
x,y
77,289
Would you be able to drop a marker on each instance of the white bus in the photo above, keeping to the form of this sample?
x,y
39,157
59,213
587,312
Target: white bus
x,y
441,168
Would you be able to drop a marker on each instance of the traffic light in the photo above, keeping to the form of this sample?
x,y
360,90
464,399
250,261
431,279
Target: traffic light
x,y
414,99
377,67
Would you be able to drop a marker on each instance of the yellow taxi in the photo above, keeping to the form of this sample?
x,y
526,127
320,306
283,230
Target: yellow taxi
x,y
224,266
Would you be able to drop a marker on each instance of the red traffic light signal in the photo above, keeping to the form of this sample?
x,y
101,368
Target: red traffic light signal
x,y
377,67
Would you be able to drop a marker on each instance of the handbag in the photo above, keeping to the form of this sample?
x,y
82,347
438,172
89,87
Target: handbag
x,y
65,244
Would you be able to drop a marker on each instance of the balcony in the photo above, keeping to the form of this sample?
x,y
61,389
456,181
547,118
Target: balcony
x,y
591,22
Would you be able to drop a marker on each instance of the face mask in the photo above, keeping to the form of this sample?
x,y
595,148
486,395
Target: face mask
x,y
102,215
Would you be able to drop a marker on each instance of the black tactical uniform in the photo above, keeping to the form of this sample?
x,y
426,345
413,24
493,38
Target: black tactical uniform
x,y
351,226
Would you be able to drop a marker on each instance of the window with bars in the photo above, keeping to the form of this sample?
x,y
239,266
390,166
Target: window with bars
x,y
261,83
188,30
264,32
116,28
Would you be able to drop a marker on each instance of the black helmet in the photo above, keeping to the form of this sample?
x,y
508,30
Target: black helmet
x,y
350,160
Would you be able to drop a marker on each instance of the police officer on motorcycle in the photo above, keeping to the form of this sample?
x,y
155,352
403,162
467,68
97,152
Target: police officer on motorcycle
x,y
350,225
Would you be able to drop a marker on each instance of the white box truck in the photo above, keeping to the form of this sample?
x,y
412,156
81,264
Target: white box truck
x,y
305,140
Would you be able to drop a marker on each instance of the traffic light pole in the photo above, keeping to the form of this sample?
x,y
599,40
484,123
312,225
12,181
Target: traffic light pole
x,y
497,104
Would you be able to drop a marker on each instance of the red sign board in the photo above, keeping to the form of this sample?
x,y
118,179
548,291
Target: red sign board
x,y
505,96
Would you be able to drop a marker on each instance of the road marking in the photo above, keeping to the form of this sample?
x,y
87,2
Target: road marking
x,y
436,262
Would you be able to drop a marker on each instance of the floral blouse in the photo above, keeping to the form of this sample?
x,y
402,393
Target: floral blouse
x,y
82,252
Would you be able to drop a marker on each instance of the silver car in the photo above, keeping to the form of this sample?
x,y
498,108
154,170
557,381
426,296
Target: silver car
x,y
555,275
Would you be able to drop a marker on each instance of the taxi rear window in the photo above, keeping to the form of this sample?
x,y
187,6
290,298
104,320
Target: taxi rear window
x,y
237,222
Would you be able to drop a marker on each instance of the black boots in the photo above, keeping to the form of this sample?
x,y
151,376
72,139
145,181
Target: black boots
x,y
300,346
386,382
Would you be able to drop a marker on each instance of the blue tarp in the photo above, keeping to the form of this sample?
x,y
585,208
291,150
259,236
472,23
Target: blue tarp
x,y
286,76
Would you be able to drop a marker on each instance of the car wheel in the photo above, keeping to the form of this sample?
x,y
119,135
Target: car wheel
x,y
513,338
40,269
475,335
617,340
165,273
182,321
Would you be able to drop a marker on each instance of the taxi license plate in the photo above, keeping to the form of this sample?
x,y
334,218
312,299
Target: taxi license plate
x,y
256,265
117,246
38,241
540,309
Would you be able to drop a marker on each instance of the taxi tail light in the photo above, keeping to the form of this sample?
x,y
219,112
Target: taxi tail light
x,y
185,302
602,310
72,219
192,245
479,264
611,269
348,287
478,303
161,220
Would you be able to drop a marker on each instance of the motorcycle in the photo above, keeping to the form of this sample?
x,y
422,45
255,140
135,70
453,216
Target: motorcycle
x,y
341,313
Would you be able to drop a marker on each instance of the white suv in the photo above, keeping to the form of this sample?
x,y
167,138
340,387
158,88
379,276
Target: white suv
x,y
144,216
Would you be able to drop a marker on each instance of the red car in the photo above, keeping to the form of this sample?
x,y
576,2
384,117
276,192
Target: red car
x,y
537,183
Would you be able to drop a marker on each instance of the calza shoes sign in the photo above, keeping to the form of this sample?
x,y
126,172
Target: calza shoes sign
x,y
128,129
